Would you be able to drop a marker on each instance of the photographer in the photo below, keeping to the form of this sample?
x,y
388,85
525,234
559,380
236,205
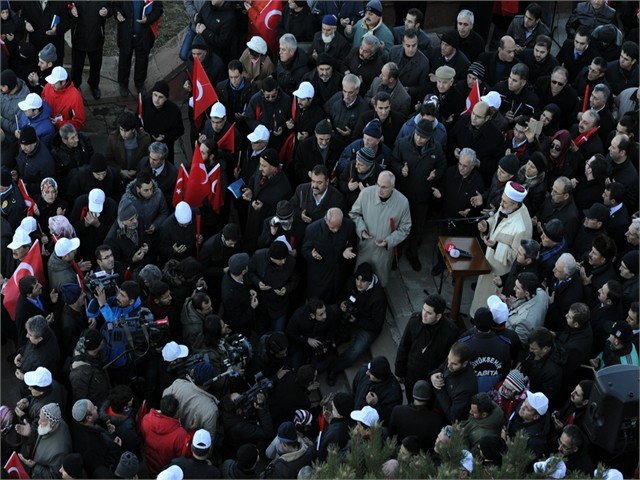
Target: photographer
x,y
365,310
114,310
311,332
240,427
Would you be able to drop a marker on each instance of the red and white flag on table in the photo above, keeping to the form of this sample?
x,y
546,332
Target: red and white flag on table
x,y
204,95
228,140
28,201
199,182
15,469
473,97
181,185
30,265
265,22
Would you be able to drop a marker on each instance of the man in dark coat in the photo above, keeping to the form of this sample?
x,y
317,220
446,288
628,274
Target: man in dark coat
x,y
98,174
576,338
71,150
376,386
216,22
417,418
292,64
325,78
34,162
92,216
158,166
498,64
323,148
100,451
425,343
270,107
337,432
162,118
557,89
337,46
328,248
137,32
312,200
40,351
565,289
238,299
236,91
13,207
214,257
177,235
30,303
533,419
266,188
543,364
37,20
311,331
575,54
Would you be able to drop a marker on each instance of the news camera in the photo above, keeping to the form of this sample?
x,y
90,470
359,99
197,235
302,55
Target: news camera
x,y
247,399
145,331
109,283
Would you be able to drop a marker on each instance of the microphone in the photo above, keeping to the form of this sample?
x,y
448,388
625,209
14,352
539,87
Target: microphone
x,y
455,252
486,216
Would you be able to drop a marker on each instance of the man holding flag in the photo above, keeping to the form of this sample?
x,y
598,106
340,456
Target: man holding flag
x,y
584,134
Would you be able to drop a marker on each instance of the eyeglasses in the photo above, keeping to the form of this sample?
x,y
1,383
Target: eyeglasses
x,y
556,147
555,82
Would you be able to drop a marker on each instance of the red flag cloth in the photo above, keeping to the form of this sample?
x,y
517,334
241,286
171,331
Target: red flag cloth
x,y
287,149
140,109
294,109
228,140
30,265
583,137
181,185
204,95
154,26
264,16
28,201
215,195
15,469
198,185
585,100
473,97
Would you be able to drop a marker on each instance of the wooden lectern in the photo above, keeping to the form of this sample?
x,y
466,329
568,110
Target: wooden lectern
x,y
459,268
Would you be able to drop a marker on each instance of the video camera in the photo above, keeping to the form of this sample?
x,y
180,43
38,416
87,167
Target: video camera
x,y
109,282
146,332
247,399
182,367
239,351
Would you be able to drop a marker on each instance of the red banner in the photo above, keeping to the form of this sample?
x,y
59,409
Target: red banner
x,y
198,185
204,95
473,97
30,265
228,140
215,196
28,201
181,185
264,17
15,469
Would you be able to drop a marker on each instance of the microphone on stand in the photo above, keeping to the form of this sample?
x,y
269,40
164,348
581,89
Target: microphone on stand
x,y
486,216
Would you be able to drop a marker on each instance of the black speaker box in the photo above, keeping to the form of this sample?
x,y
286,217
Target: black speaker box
x,y
612,414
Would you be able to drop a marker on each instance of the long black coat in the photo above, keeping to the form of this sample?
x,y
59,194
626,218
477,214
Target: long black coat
x,y
388,391
87,31
262,269
125,29
45,354
90,237
96,446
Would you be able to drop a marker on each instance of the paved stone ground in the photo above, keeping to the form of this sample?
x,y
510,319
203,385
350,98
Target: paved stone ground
x,y
406,289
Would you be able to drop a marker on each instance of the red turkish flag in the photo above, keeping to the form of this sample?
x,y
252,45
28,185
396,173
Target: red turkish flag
x,y
28,201
228,140
266,22
204,95
583,137
473,97
199,183
215,195
181,185
30,265
15,469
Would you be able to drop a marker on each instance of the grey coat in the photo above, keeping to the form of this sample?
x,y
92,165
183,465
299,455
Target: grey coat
x,y
152,211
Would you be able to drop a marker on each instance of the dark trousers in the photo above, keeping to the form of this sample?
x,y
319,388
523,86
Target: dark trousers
x,y
140,68
418,221
77,66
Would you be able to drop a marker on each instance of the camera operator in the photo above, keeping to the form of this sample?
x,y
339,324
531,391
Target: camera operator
x,y
240,427
198,408
271,355
124,305
161,370
312,332
73,318
364,310
291,392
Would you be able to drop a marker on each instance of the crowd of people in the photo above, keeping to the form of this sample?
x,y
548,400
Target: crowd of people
x,y
158,336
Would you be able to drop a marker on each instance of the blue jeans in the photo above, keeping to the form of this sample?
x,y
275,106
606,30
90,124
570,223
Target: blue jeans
x,y
360,342
185,49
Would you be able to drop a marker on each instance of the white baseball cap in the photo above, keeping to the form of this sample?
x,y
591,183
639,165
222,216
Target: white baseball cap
x,y
368,415
28,224
538,401
40,377
172,351
492,98
57,74
20,238
64,246
260,134
32,100
218,110
96,200
499,309
174,472
559,472
305,90
201,439
257,44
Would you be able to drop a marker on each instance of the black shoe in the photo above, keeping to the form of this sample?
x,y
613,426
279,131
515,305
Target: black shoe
x,y
394,264
437,269
97,94
415,264
124,91
331,378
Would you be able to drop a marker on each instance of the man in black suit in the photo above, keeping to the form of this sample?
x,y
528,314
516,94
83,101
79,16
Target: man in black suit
x,y
575,54
163,172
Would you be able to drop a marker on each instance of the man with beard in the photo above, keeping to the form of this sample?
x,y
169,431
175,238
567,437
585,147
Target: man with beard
x,y
127,237
362,172
270,107
312,200
323,148
559,204
236,91
328,248
336,47
161,117
365,61
538,59
372,25
53,443
307,112
502,234
532,418
325,78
